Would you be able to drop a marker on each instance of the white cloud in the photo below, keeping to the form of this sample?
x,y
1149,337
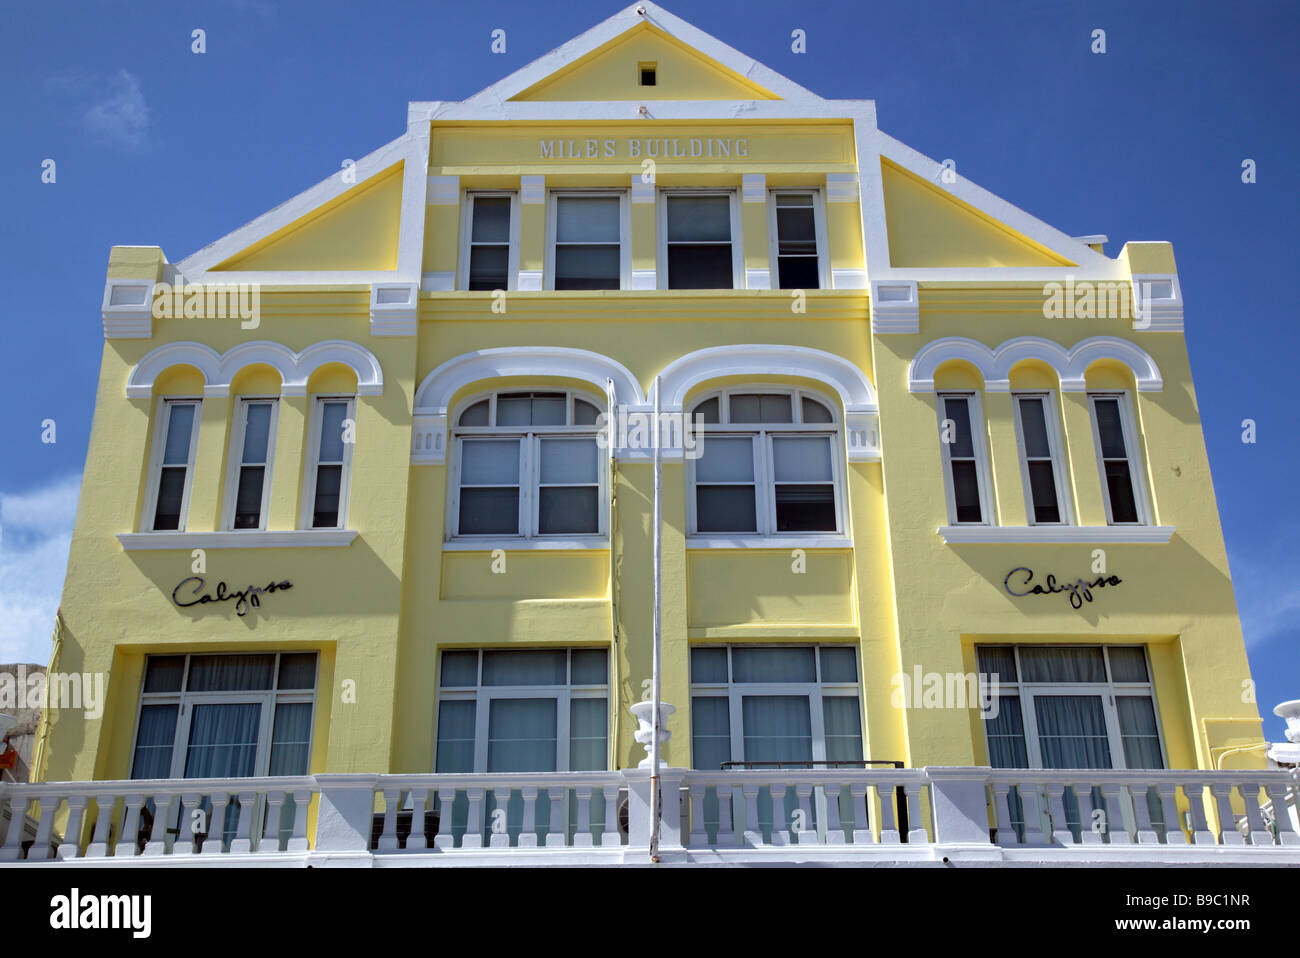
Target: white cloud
x,y
1268,594
35,531
112,107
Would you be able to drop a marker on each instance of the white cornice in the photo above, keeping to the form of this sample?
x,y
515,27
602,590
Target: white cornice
x,y
1071,365
1055,535
273,539
219,369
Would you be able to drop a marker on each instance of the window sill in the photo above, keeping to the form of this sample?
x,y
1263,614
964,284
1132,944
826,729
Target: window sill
x,y
830,541
578,543
250,539
1055,535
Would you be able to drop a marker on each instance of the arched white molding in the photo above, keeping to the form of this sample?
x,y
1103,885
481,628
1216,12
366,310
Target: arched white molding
x,y
995,365
219,370
428,445
861,418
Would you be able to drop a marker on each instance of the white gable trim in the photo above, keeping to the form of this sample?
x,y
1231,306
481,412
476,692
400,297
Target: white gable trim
x,y
219,369
620,23
1071,365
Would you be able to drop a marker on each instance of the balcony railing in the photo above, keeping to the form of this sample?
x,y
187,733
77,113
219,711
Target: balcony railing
x,y
773,815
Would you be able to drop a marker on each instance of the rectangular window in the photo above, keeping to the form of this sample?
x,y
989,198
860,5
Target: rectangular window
x,y
327,486
963,458
174,447
1044,474
249,483
795,225
698,249
489,250
587,241
1116,454
724,485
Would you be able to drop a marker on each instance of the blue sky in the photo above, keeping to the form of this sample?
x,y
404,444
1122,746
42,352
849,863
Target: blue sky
x,y
155,145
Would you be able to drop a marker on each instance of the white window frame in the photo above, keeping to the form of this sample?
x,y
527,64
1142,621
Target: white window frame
x,y
268,698
308,505
1136,467
162,420
737,237
1056,448
236,456
467,234
764,469
624,235
819,227
482,695
529,471
979,447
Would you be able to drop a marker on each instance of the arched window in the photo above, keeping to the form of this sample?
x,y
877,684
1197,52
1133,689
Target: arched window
x,y
526,464
769,464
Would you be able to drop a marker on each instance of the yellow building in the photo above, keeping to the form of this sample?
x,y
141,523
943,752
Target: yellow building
x,y
370,486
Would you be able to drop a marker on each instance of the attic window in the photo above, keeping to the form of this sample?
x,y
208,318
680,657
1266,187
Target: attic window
x,y
647,73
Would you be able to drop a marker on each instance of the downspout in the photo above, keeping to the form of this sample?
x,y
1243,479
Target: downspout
x,y
656,803
611,438
36,773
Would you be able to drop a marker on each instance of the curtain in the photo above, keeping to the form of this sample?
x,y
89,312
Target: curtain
x,y
774,665
1072,731
297,671
1049,664
231,673
223,741
524,668
777,728
1137,726
291,739
1127,664
521,735
998,662
839,664
590,667
154,742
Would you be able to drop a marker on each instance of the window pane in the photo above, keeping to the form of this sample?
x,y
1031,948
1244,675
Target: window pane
x,y
1127,664
164,673
455,736
700,267
223,740
459,669
231,673
725,459
257,432
725,509
297,671
331,431
515,410
1062,665
699,219
754,407
569,460
525,668
154,741
839,664
489,267
521,735
587,267
171,493
708,665
584,413
813,411
180,422
1006,734
710,732
798,272
248,497
1119,484
777,728
291,739
997,662
1072,731
568,509
486,462
1109,430
774,665
801,458
329,482
491,219
489,511
1042,489
966,492
843,728
805,508
958,410
586,219
476,415
708,409
587,743
548,409
590,667
795,230
1137,727
1033,425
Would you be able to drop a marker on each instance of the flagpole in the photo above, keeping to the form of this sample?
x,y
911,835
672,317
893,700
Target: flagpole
x,y
656,803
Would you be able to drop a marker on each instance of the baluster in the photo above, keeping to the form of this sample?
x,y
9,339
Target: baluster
x,y
1277,794
528,830
753,833
888,828
98,847
128,839
70,847
388,835
445,838
834,829
162,809
1112,795
1201,834
1090,827
1032,796
862,834
473,837
1061,833
415,839
1002,813
1259,835
298,838
557,828
500,818
582,838
269,843
40,849
807,834
214,844
1146,832
780,825
13,842
1228,832
242,843
699,835
915,824
186,843
610,835
1173,823
726,831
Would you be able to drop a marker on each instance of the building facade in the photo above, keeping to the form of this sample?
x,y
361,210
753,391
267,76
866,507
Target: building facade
x,y
370,483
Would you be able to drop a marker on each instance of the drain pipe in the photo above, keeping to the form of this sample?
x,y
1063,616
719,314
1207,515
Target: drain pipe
x,y
656,801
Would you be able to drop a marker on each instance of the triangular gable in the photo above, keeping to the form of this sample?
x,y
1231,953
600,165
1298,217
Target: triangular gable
x,y
559,74
356,230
